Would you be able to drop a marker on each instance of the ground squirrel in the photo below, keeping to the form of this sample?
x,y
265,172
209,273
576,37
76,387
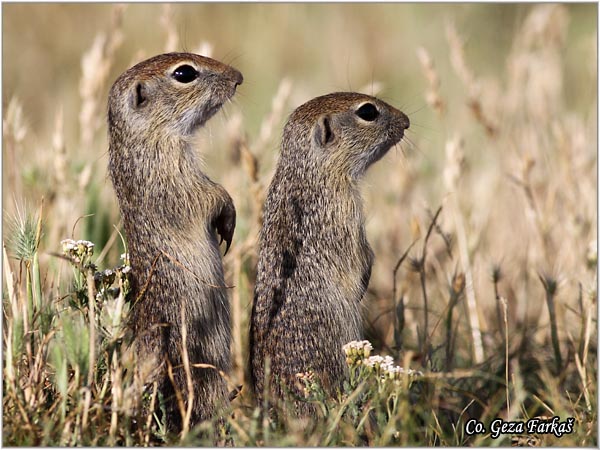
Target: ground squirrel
x,y
172,213
314,259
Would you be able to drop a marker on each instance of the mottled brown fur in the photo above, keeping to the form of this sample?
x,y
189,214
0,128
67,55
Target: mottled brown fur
x,y
172,213
314,259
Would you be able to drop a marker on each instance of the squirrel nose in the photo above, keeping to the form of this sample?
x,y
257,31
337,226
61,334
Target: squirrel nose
x,y
405,120
237,77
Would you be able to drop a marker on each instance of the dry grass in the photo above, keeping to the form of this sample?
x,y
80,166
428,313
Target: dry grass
x,y
493,297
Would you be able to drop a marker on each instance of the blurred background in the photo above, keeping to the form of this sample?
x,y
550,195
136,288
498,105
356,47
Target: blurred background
x,y
502,100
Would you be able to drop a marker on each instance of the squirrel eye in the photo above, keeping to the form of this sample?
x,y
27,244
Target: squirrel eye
x,y
185,74
367,112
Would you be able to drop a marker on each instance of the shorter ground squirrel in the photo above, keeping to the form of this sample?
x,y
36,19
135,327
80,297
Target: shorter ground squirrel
x,y
172,213
314,259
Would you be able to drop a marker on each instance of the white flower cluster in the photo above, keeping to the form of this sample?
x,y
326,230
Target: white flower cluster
x,y
77,249
396,372
378,361
354,349
358,353
107,276
385,367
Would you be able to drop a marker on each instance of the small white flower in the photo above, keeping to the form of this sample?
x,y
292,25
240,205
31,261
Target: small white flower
x,y
388,361
394,372
395,369
373,361
85,243
358,347
68,245
77,249
85,247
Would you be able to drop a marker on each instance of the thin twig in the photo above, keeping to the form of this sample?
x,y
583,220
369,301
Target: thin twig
x,y
506,363
236,310
550,287
92,353
150,413
399,304
178,395
115,391
424,349
397,266
188,376
471,303
109,243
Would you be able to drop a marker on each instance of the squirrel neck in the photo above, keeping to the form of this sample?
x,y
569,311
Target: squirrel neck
x,y
160,183
322,174
326,198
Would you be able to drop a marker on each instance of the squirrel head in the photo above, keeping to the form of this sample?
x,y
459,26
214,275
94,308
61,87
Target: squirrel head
x,y
345,132
172,94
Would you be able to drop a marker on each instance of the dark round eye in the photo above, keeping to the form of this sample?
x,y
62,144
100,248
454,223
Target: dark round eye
x,y
367,112
185,74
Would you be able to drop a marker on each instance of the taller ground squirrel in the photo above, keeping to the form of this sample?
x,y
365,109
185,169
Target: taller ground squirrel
x,y
314,259
172,213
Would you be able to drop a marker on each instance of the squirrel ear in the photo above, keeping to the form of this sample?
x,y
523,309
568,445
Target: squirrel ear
x,y
139,97
322,131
